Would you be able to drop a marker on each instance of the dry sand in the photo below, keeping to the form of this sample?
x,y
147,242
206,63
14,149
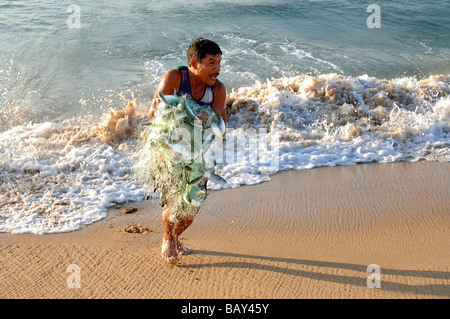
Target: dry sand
x,y
304,234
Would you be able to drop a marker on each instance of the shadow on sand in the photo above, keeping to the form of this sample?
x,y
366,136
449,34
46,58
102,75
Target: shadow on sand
x,y
439,290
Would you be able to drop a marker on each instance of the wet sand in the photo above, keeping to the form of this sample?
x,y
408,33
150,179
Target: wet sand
x,y
304,234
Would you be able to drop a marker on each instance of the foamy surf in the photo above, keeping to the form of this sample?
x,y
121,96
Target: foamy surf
x,y
338,120
61,177
57,178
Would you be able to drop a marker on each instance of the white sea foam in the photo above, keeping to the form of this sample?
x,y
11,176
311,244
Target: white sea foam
x,y
55,178
60,177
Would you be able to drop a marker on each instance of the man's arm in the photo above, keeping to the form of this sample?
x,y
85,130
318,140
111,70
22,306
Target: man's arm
x,y
169,83
220,95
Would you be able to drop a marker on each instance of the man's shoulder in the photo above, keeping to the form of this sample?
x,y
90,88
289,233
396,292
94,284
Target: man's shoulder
x,y
219,87
171,80
173,74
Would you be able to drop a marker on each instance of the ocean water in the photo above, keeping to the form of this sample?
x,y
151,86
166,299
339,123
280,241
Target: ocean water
x,y
314,83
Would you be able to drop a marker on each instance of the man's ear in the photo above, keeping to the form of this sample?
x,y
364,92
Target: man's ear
x,y
194,64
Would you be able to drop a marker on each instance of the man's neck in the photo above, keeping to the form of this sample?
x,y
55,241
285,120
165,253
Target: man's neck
x,y
195,80
197,85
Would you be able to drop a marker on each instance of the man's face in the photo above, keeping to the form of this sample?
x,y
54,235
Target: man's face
x,y
208,69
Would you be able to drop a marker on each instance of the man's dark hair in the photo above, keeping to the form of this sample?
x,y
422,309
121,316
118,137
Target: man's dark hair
x,y
200,48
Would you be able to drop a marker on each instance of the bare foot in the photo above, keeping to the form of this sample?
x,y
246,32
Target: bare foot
x,y
169,252
181,249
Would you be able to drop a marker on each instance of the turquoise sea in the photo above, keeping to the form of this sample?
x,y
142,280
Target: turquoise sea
x,y
125,46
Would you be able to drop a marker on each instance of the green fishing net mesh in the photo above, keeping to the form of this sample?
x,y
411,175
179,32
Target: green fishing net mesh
x,y
173,160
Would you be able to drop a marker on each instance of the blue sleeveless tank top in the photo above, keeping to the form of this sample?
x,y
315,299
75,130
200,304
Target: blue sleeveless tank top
x,y
185,88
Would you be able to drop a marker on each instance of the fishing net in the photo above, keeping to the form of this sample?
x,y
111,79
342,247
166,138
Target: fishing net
x,y
175,157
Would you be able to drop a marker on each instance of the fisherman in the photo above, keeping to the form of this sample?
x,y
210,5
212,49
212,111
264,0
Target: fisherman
x,y
197,81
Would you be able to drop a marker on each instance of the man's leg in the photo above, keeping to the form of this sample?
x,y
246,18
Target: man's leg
x,y
171,246
169,249
178,229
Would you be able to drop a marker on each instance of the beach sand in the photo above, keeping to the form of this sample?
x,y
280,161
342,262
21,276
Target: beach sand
x,y
304,234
